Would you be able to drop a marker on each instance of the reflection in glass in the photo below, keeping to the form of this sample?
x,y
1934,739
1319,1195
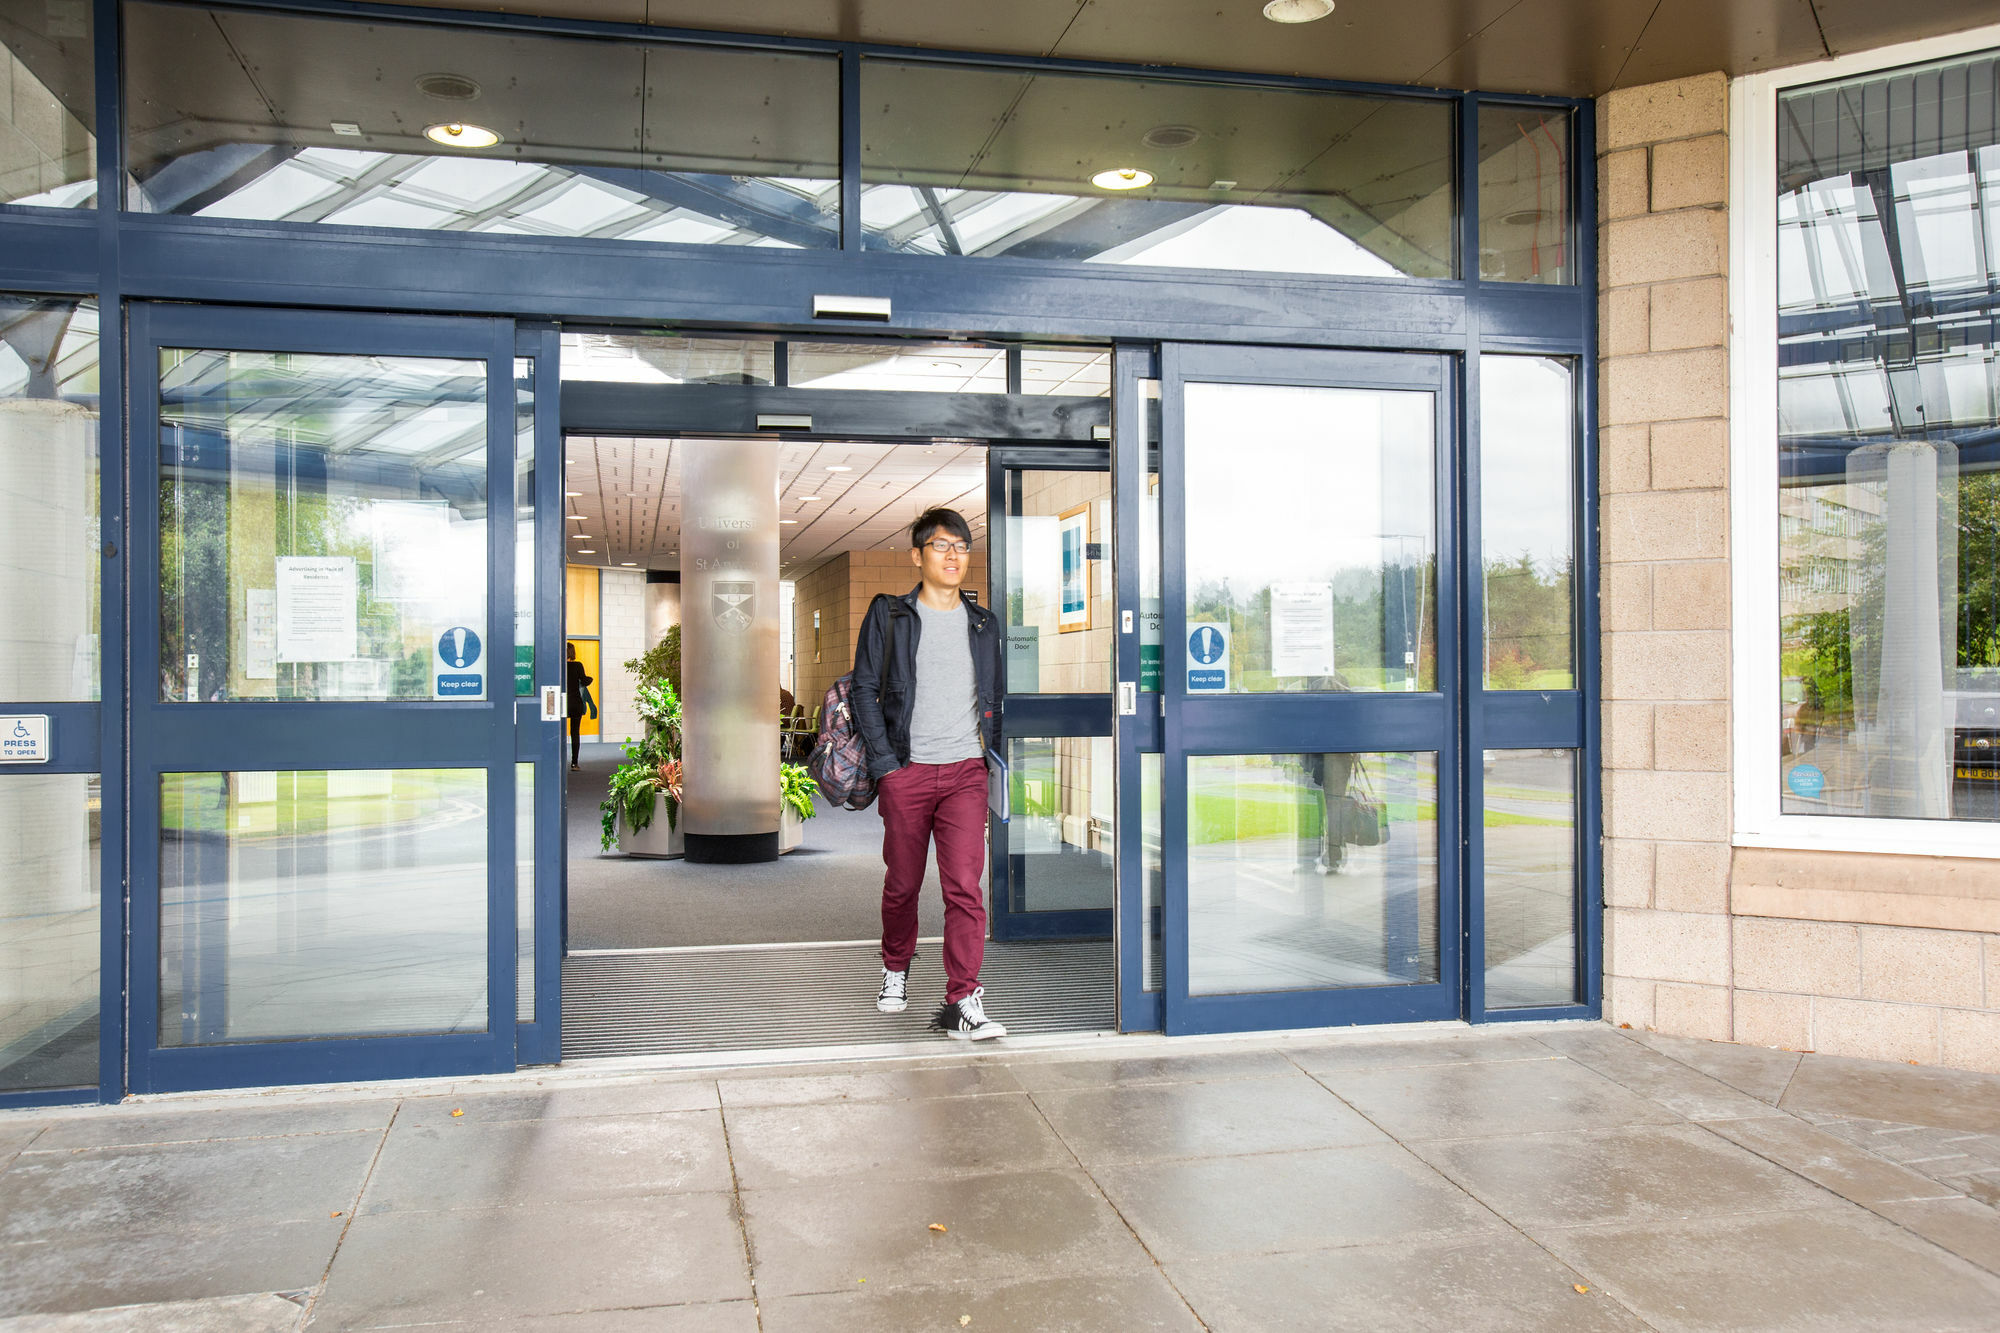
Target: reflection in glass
x,y
49,893
1061,832
1059,582
1531,883
1888,401
280,117
910,367
1311,871
50,548
660,358
1073,372
1328,581
322,527
964,161
524,893
1525,228
1153,964
524,527
321,904
48,154
1527,517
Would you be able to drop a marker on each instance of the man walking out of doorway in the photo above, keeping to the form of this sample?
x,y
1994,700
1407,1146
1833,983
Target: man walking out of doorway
x,y
926,698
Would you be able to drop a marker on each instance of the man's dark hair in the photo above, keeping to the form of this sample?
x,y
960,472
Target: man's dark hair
x,y
928,523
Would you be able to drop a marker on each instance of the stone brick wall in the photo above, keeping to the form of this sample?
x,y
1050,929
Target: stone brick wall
x,y
1663,449
1882,957
623,632
840,591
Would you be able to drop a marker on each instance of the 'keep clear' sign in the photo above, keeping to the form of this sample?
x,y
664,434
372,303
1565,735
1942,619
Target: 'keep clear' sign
x,y
458,665
1207,658
24,739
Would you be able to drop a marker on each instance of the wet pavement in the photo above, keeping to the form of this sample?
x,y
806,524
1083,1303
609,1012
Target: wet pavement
x,y
1545,1177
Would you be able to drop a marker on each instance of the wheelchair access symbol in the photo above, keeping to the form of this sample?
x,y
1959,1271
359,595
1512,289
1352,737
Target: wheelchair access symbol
x,y
25,739
1207,658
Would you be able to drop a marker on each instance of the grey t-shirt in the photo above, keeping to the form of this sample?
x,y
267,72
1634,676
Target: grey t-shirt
x,y
944,722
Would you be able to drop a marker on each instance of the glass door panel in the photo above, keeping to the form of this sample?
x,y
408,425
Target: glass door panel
x,y
1309,829
320,887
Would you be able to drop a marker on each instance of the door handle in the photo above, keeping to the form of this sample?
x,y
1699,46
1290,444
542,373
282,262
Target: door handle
x,y
1128,698
554,703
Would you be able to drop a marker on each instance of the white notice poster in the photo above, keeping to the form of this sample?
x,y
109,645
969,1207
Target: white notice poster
x,y
316,608
1302,629
260,634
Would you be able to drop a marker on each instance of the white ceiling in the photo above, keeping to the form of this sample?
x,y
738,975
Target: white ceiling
x,y
624,495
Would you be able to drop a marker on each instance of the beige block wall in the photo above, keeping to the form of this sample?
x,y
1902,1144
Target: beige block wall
x,y
840,591
1881,957
622,630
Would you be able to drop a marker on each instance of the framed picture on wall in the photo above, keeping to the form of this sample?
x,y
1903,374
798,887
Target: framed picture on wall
x,y
1073,538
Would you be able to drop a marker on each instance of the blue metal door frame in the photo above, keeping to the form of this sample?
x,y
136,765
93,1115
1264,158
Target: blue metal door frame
x,y
223,737
538,1041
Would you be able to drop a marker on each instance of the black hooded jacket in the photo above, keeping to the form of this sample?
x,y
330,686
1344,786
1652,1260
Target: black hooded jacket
x,y
885,677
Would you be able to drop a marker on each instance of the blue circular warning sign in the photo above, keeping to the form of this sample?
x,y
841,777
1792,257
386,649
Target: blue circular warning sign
x,y
458,647
1807,780
1206,645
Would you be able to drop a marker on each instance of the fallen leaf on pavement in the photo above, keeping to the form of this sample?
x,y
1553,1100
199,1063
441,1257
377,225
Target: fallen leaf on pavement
x,y
333,1214
457,1112
964,1319
939,1226
1580,1288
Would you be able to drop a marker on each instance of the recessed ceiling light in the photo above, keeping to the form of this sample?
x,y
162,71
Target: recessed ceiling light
x,y
458,134
580,536
787,520
805,498
1170,136
629,564
1297,11
1122,178
838,467
572,494
585,550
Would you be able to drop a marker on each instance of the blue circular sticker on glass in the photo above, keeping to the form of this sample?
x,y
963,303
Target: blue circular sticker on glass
x,y
1806,780
458,647
1206,645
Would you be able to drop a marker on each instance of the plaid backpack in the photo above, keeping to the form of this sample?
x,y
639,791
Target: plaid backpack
x,y
839,760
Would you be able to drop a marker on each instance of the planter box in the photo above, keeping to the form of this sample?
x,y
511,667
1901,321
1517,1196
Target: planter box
x,y
791,829
655,840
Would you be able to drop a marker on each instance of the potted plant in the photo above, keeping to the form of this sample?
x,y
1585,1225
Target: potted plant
x,y
649,779
796,794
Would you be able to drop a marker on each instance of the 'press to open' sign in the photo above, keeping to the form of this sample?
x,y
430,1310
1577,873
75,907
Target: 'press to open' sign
x,y
24,739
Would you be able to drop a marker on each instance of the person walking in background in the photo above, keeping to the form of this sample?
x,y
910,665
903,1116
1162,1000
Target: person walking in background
x,y
578,682
926,699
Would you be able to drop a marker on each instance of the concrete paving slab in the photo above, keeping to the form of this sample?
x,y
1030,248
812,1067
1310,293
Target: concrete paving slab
x,y
262,1313
1440,1050
124,1126
1761,1072
869,1086
1907,1094
1817,1269
1286,1202
1108,1126
1848,1171
1660,1078
1633,1173
1968,1228
643,1097
790,1145
709,1317
1496,1097
850,1234
1058,1073
166,1187
487,1264
1120,1303
92,1270
16,1135
456,1164
1500,1283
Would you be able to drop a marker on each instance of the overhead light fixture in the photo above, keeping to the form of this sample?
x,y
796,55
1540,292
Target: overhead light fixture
x,y
580,536
629,564
1170,136
347,129
838,467
1122,178
573,494
805,498
787,520
1297,11
460,134
585,550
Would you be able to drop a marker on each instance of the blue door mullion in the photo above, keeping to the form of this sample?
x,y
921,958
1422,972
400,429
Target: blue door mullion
x,y
540,1042
1139,1009
502,927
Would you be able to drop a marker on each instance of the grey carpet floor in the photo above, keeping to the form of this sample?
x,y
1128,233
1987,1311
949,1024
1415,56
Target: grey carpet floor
x,y
828,889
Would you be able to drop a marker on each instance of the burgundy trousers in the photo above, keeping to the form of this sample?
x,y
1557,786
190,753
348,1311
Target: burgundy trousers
x,y
945,802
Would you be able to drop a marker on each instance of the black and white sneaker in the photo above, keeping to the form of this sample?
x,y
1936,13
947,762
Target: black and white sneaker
x,y
967,1020
895,995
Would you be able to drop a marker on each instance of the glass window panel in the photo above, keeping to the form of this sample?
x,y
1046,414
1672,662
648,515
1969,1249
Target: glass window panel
x,y
524,893
956,160
1074,372
1329,581
1061,832
645,358
1059,582
50,842
1152,605
524,527
321,904
1527,517
693,145
1153,959
1531,882
48,111
50,546
913,367
1889,491
1310,871
322,527
1525,227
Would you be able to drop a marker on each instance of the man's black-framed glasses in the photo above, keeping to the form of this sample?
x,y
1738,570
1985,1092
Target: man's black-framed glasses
x,y
944,547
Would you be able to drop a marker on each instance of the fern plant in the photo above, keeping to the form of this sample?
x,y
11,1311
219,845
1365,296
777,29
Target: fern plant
x,y
797,789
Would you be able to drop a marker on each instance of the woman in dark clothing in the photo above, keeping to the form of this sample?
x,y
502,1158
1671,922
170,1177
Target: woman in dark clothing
x,y
577,681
